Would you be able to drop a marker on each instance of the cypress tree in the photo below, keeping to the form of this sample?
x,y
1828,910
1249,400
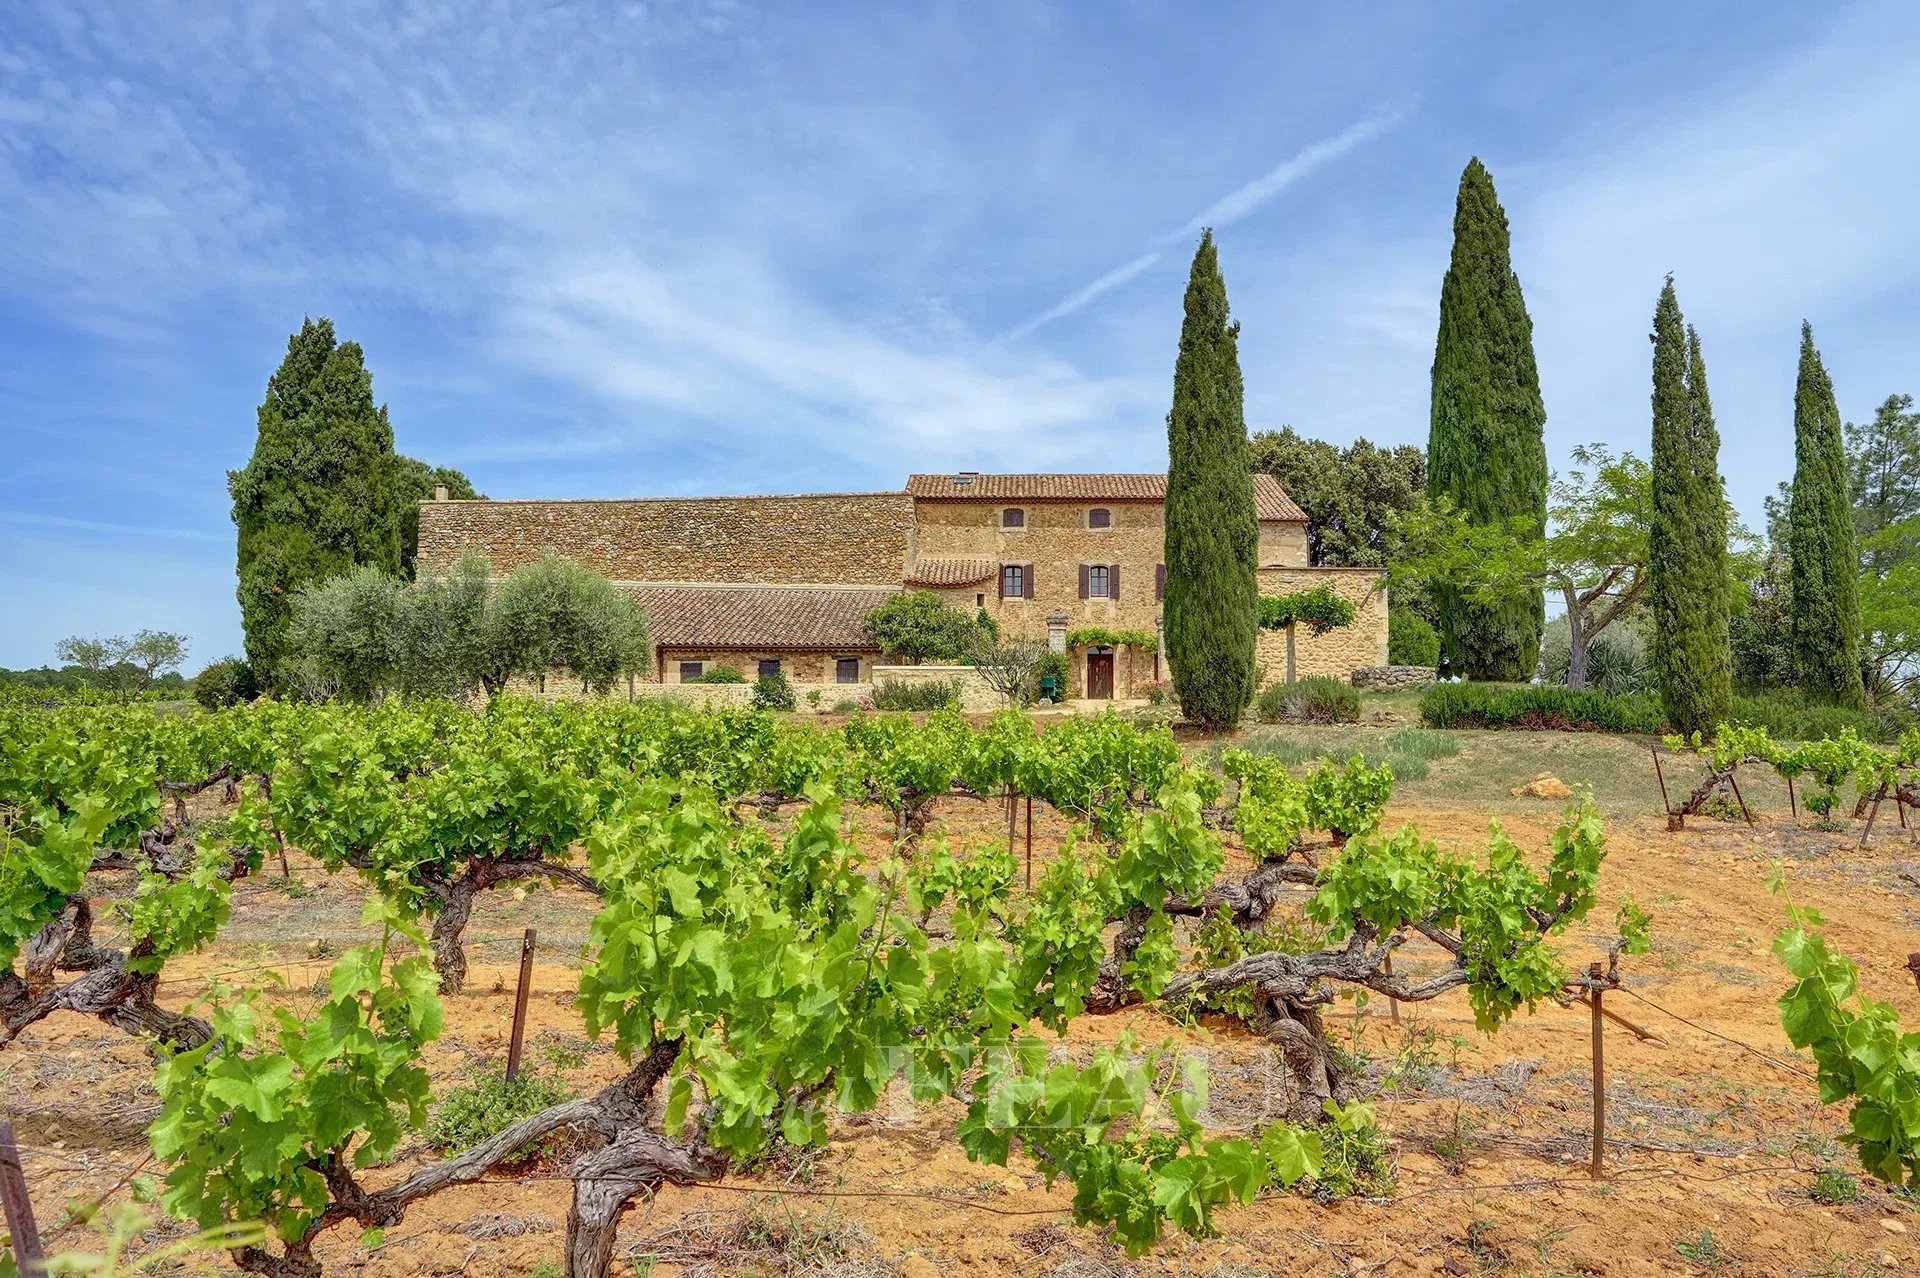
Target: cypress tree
x,y
1825,564
1687,552
1212,539
1486,450
317,497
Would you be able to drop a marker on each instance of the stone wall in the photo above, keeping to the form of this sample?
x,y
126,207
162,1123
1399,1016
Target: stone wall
x,y
1338,652
1393,677
825,539
808,667
976,694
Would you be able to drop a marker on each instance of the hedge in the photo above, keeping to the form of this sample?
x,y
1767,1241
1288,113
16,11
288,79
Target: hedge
x,y
1553,708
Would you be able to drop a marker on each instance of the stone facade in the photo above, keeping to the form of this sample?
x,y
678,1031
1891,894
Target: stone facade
x,y
1338,652
800,667
740,580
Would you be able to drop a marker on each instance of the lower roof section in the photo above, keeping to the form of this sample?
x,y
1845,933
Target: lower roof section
x,y
769,617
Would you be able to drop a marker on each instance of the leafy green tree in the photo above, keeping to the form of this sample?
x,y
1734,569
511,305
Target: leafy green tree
x,y
914,626
1347,493
1594,556
1212,538
1883,476
1825,563
1688,588
441,629
555,616
1883,465
226,682
127,666
1486,454
317,497
343,638
415,482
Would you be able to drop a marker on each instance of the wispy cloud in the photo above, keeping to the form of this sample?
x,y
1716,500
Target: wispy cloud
x,y
1223,212
31,520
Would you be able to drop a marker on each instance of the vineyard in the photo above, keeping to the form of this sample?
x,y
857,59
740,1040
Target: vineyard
x,y
785,935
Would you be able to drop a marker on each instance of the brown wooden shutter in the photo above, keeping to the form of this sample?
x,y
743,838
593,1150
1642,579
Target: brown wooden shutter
x,y
1083,581
1000,571
1026,586
1159,581
1113,582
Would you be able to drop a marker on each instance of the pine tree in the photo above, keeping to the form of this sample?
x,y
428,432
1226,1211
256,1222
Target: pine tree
x,y
1486,452
317,497
1212,539
1687,545
1826,586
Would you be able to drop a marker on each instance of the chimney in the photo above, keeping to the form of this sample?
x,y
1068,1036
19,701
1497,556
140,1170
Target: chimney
x,y
439,492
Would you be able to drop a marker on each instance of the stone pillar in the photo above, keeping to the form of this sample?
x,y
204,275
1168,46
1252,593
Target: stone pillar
x,y
1159,643
1057,631
439,492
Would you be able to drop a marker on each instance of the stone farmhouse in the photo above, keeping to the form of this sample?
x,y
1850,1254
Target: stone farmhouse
x,y
768,584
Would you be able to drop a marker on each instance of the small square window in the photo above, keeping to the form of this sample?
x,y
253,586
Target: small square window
x,y
846,670
1099,581
1099,517
691,670
769,668
1013,517
1013,581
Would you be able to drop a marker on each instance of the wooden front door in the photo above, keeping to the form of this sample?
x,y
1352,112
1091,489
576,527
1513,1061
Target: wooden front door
x,y
1100,674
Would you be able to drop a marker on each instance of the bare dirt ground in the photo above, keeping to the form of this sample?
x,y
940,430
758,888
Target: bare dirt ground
x,y
1714,1144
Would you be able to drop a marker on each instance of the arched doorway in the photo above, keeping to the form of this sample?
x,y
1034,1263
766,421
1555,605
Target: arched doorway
x,y
1100,673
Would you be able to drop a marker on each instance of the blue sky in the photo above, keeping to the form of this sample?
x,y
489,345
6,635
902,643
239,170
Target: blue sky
x,y
601,250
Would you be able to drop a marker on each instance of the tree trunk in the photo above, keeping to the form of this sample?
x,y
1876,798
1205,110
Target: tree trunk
x,y
1290,662
449,957
1297,1028
1577,641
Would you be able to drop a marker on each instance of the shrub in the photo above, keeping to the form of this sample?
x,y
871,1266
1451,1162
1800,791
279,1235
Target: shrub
x,y
846,705
720,674
226,682
1411,638
1158,692
773,692
1055,666
488,1104
1791,715
897,694
1314,699
1537,706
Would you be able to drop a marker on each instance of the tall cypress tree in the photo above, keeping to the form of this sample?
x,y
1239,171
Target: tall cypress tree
x,y
1687,553
1825,563
318,495
1212,540
1486,451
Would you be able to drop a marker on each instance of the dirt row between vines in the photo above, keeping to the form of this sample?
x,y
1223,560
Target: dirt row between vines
x,y
1490,1134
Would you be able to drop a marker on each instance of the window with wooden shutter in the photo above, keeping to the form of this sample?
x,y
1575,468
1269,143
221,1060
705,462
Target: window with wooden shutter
x,y
1013,517
846,670
1013,581
1099,579
691,670
1027,584
1083,581
769,668
1099,517
1159,581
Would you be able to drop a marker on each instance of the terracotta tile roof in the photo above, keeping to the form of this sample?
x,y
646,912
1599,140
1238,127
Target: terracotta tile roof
x,y
1270,501
950,572
772,617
